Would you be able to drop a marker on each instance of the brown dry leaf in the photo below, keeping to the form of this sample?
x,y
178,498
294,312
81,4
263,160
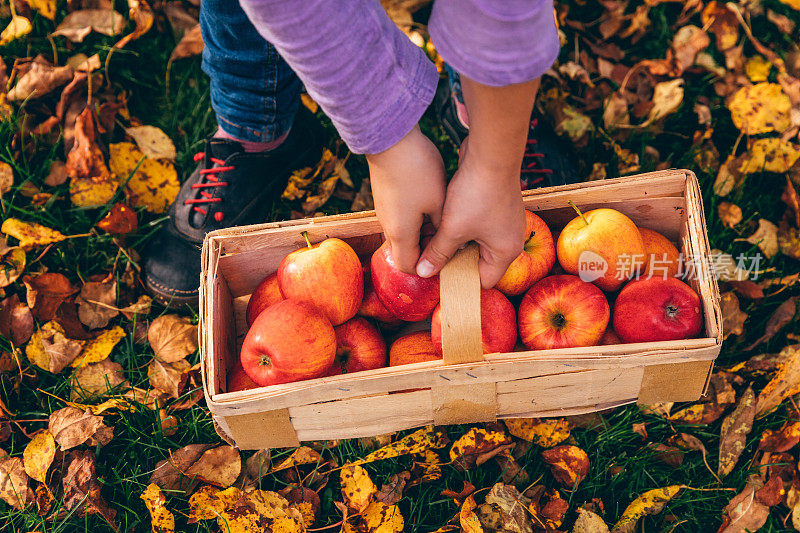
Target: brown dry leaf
x,y
140,12
191,44
789,241
16,320
172,338
12,264
730,214
363,200
392,491
647,503
568,464
790,197
782,439
589,522
420,441
765,237
72,427
161,519
256,466
779,318
81,488
57,174
785,382
744,512
50,350
140,308
38,455
722,22
14,488
615,111
169,378
97,379
78,24
733,318
169,474
729,176
748,289
46,292
99,348
153,142
477,446
91,182
734,431
505,509
154,184
30,234
218,466
357,488
6,178
120,219
667,98
40,78
97,303
546,432
760,108
688,41
302,455
17,27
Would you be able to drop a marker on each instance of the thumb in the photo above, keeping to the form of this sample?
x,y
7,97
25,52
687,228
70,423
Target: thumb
x,y
438,252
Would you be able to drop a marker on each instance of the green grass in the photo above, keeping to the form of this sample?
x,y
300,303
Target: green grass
x,y
622,467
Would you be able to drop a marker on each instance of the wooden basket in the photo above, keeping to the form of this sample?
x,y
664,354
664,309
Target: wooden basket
x,y
466,386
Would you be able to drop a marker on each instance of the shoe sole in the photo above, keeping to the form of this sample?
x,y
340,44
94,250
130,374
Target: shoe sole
x,y
168,298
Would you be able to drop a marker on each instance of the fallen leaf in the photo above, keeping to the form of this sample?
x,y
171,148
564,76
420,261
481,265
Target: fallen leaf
x,y
38,455
785,382
99,348
139,308
81,488
779,318
191,44
419,441
615,111
72,427
96,303
392,491
172,338
467,518
50,350
748,289
152,184
161,519
120,219
789,241
760,108
363,200
669,455
17,27
382,518
546,432
729,176
6,178
513,473
16,320
210,502
730,214
169,474
782,439
97,378
218,466
427,467
78,24
726,268
765,237
306,501
46,292
30,234
237,511
744,513
647,503
757,68
302,455
91,183
169,378
358,489
14,489
505,509
734,431
688,41
568,464
153,142
733,318
140,12
722,22
475,444
589,522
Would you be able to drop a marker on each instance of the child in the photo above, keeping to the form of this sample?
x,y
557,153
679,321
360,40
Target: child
x,y
375,85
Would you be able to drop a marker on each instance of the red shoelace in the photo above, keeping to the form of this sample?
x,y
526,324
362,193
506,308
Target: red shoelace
x,y
534,166
213,181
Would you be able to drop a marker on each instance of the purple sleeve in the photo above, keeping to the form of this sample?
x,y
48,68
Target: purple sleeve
x,y
363,71
496,42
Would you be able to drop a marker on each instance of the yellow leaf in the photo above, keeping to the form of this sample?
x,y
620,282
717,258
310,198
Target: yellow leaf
x,y
760,108
97,349
18,27
172,337
467,518
769,155
153,186
546,432
785,382
757,68
430,467
161,519
382,518
92,192
46,8
357,487
300,456
650,502
690,415
153,142
418,442
209,502
765,237
667,98
50,350
39,454
794,4
12,263
30,234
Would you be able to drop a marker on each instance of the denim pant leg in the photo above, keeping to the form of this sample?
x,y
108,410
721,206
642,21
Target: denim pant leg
x,y
254,93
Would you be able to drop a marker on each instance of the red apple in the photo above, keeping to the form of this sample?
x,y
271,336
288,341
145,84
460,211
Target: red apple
x,y
413,348
657,309
498,323
359,346
562,312
289,341
609,338
407,296
267,293
534,262
602,246
328,275
372,307
661,258
239,380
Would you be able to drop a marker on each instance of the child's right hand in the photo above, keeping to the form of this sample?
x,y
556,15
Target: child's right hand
x,y
408,183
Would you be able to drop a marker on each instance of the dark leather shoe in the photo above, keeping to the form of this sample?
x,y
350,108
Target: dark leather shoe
x,y
229,187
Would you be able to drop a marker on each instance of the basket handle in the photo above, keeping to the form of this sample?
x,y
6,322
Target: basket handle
x,y
460,295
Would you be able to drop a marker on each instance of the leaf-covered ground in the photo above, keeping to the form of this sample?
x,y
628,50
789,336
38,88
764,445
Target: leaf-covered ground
x,y
102,423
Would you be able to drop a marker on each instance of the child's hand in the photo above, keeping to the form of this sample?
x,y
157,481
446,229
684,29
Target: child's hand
x,y
408,184
484,205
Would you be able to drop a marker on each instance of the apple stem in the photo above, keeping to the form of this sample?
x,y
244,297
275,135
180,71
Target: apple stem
x,y
575,207
305,236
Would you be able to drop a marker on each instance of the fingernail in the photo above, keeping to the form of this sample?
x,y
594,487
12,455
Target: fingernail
x,y
425,268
